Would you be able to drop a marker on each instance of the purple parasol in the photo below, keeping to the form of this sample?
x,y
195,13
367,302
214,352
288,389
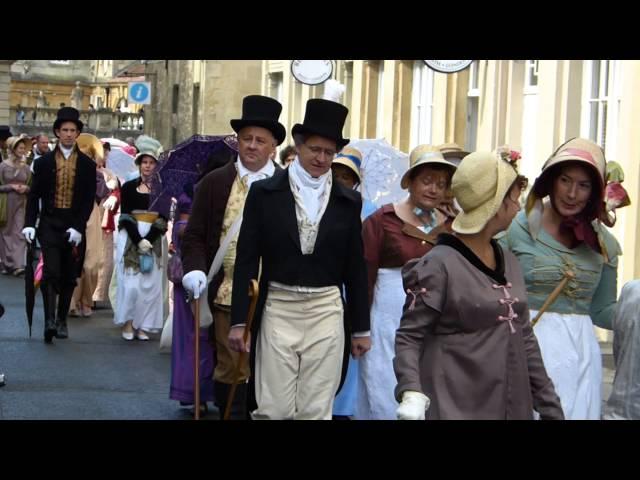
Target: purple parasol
x,y
181,165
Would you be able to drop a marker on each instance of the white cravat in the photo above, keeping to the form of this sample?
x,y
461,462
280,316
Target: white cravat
x,y
265,172
310,189
66,152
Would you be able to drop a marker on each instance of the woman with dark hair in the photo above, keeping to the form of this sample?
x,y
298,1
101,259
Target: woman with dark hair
x,y
465,349
393,235
564,237
139,255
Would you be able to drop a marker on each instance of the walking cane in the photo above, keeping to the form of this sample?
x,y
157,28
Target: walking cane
x,y
253,293
568,275
196,361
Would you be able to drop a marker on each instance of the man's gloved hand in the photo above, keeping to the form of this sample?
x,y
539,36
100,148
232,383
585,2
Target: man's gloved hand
x,y
413,406
110,203
112,184
195,282
75,237
29,233
144,245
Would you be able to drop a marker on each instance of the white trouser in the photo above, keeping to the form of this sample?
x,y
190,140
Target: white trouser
x,y
299,355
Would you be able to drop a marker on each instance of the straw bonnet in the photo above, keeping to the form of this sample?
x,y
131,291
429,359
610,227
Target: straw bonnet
x,y
576,149
12,142
452,152
423,155
147,146
352,159
479,185
91,146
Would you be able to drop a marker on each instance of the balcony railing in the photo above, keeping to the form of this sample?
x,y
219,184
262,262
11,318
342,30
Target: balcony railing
x,y
106,122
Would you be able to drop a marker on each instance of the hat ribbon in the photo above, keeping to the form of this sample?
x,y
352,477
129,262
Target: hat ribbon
x,y
353,158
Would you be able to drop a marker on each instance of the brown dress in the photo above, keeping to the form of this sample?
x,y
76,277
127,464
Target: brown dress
x,y
389,243
12,243
465,339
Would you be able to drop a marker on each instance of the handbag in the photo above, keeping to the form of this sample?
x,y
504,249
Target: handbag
x,y
175,271
146,263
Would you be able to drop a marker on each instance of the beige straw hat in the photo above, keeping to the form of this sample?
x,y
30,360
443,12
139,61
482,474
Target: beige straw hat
x,y
479,185
422,155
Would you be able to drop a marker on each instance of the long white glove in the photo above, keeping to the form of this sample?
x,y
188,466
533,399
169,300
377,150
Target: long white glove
x,y
29,233
110,203
195,282
75,236
144,245
413,406
112,184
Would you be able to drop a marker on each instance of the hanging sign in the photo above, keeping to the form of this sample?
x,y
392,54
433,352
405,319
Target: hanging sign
x,y
312,72
448,66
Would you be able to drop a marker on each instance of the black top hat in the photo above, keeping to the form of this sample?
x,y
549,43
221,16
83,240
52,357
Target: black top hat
x,y
67,114
5,132
259,111
324,118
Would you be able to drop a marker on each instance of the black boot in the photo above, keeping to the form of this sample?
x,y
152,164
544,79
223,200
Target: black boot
x,y
49,297
63,309
239,404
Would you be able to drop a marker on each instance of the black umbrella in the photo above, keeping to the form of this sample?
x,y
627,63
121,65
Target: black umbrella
x,y
29,287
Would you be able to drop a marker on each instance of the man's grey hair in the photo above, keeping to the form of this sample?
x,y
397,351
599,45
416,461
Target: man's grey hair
x,y
40,135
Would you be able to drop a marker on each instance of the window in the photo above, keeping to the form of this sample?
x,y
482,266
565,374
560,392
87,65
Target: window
x,y
275,85
422,102
531,74
196,108
598,73
473,101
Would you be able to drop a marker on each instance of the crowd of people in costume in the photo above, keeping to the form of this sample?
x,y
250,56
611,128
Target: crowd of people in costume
x,y
473,297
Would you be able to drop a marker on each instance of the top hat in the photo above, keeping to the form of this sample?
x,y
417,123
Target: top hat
x,y
5,132
260,111
67,114
325,119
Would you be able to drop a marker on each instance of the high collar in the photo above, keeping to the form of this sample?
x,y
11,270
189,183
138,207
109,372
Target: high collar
x,y
457,244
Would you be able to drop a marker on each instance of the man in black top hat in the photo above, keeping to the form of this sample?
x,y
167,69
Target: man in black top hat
x,y
64,180
216,216
5,133
302,231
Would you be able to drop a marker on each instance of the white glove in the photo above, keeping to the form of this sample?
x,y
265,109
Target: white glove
x,y
29,233
144,245
413,406
110,203
112,184
195,282
75,237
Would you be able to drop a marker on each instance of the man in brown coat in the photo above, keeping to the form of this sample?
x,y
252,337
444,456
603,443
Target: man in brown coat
x,y
217,210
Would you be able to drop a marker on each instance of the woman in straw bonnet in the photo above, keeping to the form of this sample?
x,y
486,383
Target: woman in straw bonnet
x,y
82,299
465,345
393,235
15,178
563,236
139,251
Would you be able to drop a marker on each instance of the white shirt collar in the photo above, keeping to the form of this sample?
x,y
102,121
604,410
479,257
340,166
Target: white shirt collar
x,y
66,151
267,171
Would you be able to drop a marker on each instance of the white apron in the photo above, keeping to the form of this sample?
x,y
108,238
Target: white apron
x,y
573,361
376,379
139,297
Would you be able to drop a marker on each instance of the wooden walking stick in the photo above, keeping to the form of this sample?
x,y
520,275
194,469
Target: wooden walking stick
x,y
196,361
253,293
568,275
